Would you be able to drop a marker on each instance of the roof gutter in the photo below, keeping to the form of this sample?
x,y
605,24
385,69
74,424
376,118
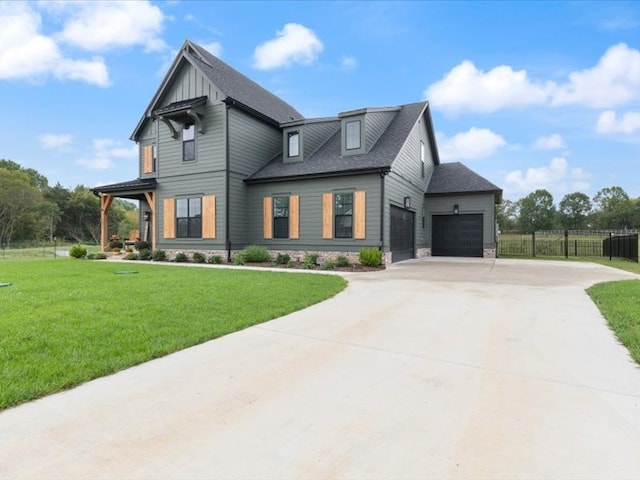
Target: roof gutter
x,y
310,176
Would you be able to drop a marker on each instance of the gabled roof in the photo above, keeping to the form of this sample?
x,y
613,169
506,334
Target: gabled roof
x,y
328,159
455,178
235,86
240,88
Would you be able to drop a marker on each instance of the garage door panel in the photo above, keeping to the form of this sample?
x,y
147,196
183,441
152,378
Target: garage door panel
x,y
402,234
457,235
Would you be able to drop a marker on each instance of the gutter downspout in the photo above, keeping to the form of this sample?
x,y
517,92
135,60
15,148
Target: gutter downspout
x,y
383,174
227,183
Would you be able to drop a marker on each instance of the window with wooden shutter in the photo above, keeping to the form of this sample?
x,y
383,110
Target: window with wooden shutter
x,y
294,217
147,159
360,213
169,218
267,219
327,215
209,216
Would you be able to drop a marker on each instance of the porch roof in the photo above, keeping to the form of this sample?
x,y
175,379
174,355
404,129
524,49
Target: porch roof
x,y
130,189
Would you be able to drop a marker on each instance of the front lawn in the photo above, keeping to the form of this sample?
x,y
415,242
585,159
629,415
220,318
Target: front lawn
x,y
64,321
619,303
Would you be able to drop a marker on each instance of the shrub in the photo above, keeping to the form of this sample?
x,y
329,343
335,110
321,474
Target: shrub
x,y
239,259
370,256
159,256
78,251
328,265
145,254
131,256
115,244
310,260
291,264
342,261
142,245
181,257
283,259
217,259
198,257
256,254
97,256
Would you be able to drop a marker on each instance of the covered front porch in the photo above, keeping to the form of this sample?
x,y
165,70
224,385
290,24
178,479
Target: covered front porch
x,y
141,189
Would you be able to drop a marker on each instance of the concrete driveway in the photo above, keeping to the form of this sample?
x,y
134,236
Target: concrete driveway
x,y
435,368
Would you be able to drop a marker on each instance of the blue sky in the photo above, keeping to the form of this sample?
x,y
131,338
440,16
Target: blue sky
x,y
528,94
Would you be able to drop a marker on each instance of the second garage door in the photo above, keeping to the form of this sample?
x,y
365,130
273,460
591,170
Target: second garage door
x,y
457,235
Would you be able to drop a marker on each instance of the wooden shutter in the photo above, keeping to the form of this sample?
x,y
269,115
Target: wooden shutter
x,y
294,217
359,213
267,217
209,216
147,159
169,218
327,215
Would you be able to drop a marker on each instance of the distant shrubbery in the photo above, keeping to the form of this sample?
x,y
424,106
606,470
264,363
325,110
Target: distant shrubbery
x,y
77,251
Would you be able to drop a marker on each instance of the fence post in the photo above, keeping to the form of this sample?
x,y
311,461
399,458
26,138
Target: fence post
x,y
610,246
533,243
566,244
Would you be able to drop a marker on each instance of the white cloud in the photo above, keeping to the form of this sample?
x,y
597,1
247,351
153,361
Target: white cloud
x,y
215,48
50,141
25,53
101,26
608,122
295,43
557,177
611,82
104,151
473,144
614,81
550,142
465,88
348,62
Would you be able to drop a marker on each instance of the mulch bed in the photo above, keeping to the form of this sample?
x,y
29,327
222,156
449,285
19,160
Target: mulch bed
x,y
355,267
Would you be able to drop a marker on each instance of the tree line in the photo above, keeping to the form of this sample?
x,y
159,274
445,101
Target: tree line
x,y
32,210
611,208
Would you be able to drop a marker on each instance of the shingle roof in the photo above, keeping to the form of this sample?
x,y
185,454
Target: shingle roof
x,y
452,178
237,86
130,185
181,105
328,160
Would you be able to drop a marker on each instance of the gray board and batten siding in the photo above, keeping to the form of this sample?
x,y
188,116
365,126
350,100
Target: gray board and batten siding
x,y
310,216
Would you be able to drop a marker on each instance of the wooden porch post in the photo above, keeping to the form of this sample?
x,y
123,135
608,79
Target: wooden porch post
x,y
151,197
105,205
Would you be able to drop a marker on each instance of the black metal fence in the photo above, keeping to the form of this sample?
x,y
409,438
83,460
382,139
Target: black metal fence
x,y
621,246
570,243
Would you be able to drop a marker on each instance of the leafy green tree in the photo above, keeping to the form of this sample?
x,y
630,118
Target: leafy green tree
x,y
574,209
614,208
537,211
19,206
507,215
36,179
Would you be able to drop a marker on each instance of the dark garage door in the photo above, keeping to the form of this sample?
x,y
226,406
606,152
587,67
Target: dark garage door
x,y
456,235
402,234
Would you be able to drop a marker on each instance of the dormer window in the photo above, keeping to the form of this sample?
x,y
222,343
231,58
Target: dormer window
x,y
189,143
293,144
352,137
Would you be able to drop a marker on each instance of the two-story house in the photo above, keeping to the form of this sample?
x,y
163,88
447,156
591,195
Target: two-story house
x,y
225,164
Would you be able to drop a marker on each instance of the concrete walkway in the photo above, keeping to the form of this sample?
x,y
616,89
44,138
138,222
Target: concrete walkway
x,y
435,368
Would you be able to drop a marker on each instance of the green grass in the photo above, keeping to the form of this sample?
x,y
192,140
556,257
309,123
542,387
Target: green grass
x,y
65,321
619,303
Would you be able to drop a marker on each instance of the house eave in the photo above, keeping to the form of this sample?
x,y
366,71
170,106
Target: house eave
x,y
311,176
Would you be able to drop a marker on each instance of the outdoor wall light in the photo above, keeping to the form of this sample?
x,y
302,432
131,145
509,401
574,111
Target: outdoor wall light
x,y
147,216
407,202
456,209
